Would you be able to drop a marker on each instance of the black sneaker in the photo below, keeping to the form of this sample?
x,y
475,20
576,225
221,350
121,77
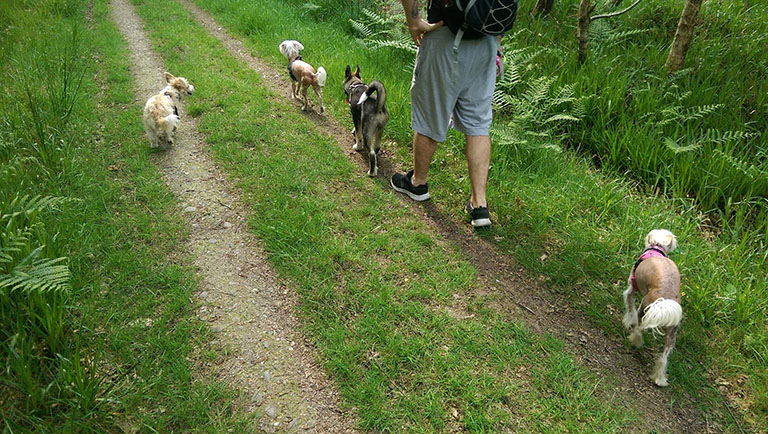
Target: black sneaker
x,y
402,183
480,216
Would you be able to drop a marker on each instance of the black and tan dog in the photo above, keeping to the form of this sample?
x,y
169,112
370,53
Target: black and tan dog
x,y
369,114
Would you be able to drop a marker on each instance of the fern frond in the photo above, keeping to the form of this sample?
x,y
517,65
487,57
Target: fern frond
x,y
561,117
539,89
617,36
37,275
29,205
717,137
746,169
677,149
698,112
398,44
361,28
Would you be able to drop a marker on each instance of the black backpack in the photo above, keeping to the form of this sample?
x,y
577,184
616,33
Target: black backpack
x,y
489,17
478,17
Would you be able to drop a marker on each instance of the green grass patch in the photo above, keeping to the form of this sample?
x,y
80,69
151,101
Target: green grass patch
x,y
376,285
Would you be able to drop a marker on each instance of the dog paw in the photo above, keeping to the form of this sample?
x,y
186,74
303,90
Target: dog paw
x,y
372,174
661,381
636,339
322,109
355,147
629,320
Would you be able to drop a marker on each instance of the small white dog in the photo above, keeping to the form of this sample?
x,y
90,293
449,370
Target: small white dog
x,y
657,279
302,74
160,113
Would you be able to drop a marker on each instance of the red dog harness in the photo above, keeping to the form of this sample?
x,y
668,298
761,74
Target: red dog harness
x,y
647,253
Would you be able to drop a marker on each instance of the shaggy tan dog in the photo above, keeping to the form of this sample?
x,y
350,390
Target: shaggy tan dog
x,y
160,113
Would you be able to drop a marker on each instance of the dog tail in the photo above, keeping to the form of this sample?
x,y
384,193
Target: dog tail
x,y
169,121
321,76
661,313
381,95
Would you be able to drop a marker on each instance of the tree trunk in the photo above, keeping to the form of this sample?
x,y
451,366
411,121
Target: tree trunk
x,y
584,9
683,35
542,7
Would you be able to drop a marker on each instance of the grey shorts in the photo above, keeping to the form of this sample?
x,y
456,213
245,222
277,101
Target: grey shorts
x,y
437,91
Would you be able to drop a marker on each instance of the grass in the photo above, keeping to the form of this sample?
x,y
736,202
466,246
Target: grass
x,y
84,358
385,324
585,236
381,320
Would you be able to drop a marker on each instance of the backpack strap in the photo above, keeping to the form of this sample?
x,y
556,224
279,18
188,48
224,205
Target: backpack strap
x,y
457,39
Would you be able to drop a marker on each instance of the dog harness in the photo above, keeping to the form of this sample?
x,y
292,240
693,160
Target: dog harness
x,y
290,66
647,253
175,109
353,87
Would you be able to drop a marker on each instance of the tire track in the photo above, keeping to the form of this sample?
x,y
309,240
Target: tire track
x,y
249,309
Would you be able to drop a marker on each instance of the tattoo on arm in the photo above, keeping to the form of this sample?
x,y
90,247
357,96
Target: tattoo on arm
x,y
415,9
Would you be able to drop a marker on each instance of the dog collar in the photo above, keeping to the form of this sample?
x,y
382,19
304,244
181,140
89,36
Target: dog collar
x,y
354,86
290,68
647,253
175,109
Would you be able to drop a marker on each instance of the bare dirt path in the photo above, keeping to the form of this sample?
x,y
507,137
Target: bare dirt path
x,y
251,311
522,297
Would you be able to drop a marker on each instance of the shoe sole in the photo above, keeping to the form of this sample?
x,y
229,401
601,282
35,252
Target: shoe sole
x,y
416,197
478,223
481,223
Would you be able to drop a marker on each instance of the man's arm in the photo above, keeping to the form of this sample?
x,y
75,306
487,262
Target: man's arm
x,y
417,26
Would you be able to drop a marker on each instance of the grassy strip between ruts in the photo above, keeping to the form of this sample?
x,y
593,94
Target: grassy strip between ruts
x,y
377,285
148,324
131,318
579,228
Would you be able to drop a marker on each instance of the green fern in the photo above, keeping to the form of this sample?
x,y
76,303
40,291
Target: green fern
x,y
27,259
716,137
678,149
36,274
379,31
536,112
745,170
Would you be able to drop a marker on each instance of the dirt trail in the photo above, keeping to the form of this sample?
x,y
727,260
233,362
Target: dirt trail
x,y
249,309
522,297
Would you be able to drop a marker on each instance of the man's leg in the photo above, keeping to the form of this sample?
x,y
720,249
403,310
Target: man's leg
x,y
478,160
414,183
423,150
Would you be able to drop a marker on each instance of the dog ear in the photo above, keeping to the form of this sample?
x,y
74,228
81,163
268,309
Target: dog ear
x,y
670,242
299,46
169,77
651,240
357,71
347,73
